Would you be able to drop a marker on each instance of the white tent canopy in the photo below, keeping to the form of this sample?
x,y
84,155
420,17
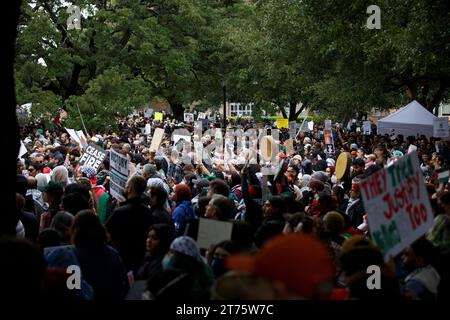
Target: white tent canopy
x,y
410,120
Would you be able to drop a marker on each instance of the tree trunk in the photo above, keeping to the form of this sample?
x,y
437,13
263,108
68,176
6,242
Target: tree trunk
x,y
9,141
283,111
177,110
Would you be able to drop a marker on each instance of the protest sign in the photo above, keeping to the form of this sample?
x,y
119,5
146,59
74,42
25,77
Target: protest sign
x,y
73,135
177,137
119,174
329,141
327,124
148,113
188,117
83,140
211,232
93,156
292,129
367,128
440,128
266,148
158,116
22,150
148,129
289,144
397,205
310,125
443,177
201,116
156,140
282,123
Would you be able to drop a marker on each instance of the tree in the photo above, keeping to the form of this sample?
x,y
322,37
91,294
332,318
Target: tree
x,y
408,58
126,53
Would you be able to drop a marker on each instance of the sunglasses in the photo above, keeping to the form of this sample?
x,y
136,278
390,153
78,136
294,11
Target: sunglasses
x,y
31,169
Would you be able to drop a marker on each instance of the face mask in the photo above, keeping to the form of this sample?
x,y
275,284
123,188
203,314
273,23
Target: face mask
x,y
167,262
218,267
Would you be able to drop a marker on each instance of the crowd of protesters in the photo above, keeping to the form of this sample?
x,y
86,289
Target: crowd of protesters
x,y
300,233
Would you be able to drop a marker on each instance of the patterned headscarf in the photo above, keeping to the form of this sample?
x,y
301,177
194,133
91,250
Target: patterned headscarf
x,y
187,246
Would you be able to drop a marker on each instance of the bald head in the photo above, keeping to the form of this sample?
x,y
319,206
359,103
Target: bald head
x,y
32,182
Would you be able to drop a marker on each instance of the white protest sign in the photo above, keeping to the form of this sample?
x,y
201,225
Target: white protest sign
x,y
397,205
211,232
148,129
201,116
156,140
177,137
93,157
73,135
311,125
188,117
327,124
367,129
148,113
22,151
119,174
440,128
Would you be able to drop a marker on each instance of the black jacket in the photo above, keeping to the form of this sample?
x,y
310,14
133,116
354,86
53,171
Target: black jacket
x,y
128,227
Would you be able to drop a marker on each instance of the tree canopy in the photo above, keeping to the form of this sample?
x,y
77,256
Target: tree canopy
x,y
274,53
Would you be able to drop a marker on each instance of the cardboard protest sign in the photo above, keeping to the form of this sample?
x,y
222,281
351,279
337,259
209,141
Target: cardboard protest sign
x,y
289,144
118,175
266,148
327,124
397,205
156,140
188,117
73,135
93,156
367,128
282,123
211,232
440,127
158,116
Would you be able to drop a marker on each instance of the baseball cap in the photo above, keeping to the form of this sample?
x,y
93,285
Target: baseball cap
x,y
301,262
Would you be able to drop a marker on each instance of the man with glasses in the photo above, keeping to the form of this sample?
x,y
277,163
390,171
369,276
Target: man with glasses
x,y
34,168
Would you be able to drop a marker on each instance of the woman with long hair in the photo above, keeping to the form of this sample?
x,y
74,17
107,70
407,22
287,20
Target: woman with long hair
x,y
100,264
